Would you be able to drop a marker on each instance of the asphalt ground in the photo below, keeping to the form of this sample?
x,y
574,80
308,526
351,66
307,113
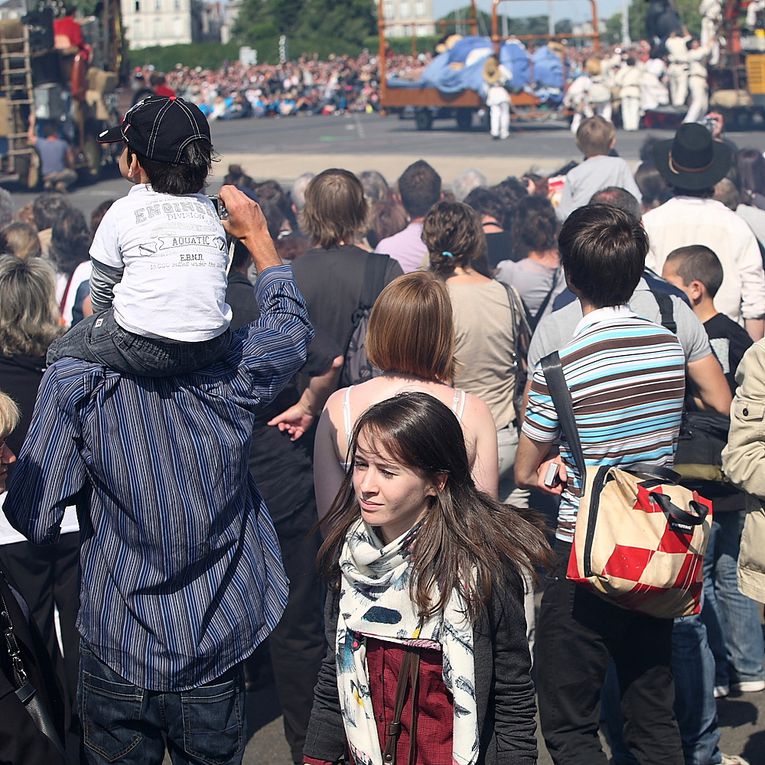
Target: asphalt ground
x,y
283,149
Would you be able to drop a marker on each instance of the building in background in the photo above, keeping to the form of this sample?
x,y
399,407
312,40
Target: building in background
x,y
407,18
170,22
12,9
230,15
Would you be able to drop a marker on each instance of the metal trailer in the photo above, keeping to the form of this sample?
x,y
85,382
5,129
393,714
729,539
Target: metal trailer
x,y
737,82
430,104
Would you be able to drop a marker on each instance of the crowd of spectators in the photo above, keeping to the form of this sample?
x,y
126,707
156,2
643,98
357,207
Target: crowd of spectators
x,y
486,267
309,85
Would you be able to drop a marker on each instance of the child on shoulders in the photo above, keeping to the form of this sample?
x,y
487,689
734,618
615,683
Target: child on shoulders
x,y
159,255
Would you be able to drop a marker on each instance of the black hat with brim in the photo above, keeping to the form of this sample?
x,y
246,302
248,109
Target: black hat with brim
x,y
112,135
160,128
692,160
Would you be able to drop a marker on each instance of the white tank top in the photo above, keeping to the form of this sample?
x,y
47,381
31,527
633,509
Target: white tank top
x,y
457,407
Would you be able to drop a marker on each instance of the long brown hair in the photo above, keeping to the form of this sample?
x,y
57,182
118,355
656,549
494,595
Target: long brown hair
x,y
335,208
467,539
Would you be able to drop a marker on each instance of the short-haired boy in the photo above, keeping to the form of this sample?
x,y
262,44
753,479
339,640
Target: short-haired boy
x,y
159,255
733,623
596,138
697,271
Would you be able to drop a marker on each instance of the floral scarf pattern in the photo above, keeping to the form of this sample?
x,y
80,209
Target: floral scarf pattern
x,y
375,602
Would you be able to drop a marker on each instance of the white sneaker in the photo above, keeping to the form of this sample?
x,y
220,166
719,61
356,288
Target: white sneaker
x,y
749,686
721,691
733,759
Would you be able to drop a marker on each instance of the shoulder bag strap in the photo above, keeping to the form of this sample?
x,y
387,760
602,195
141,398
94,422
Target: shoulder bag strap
x,y
11,644
374,279
564,406
409,675
547,299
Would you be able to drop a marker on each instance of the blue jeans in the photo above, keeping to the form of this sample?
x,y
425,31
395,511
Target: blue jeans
x,y
130,725
732,621
695,708
101,340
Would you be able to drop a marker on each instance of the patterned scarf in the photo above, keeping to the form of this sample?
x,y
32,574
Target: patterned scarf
x,y
375,602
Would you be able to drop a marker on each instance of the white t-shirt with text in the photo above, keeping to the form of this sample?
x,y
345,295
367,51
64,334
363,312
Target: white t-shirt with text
x,y
173,252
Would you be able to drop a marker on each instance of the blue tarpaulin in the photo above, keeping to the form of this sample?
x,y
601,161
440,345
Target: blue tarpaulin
x,y
461,67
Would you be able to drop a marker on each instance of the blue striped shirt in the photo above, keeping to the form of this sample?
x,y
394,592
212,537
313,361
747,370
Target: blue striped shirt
x,y
627,381
181,574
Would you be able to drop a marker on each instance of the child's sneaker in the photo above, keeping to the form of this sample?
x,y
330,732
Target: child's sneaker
x,y
721,691
749,686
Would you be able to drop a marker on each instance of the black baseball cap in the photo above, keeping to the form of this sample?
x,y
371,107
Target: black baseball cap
x,y
160,128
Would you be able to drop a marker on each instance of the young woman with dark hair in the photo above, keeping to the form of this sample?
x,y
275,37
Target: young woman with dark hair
x,y
425,603
751,172
484,322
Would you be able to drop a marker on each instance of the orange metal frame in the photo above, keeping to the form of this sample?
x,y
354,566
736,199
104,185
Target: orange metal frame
x,y
400,97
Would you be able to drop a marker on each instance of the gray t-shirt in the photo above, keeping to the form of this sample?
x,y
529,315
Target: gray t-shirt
x,y
533,280
52,155
557,329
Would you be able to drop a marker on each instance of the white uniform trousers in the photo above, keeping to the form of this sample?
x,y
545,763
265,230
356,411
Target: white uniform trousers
x,y
630,112
699,99
678,83
500,120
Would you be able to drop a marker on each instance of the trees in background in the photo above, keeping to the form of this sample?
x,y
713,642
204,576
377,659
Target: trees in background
x,y
310,26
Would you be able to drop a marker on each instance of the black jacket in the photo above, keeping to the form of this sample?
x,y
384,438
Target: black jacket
x,y
20,741
20,378
504,691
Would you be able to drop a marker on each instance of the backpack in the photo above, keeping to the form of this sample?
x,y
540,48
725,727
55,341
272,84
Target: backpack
x,y
356,365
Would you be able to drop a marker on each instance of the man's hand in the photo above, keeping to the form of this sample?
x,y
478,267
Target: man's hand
x,y
296,421
562,476
532,460
247,223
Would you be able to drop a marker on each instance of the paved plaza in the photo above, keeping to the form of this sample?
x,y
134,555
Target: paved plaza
x,y
284,148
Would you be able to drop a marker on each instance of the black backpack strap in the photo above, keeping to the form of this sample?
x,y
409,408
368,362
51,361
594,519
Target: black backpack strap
x,y
535,320
665,309
564,406
374,279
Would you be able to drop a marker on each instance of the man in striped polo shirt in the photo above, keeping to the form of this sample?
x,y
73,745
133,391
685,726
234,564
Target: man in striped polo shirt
x,y
627,382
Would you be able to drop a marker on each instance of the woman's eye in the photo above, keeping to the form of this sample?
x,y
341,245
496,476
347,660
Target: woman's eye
x,y
386,473
357,465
